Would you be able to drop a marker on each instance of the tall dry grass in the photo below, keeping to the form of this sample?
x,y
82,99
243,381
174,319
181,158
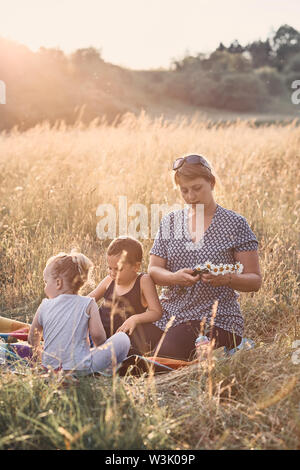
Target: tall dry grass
x,y
51,183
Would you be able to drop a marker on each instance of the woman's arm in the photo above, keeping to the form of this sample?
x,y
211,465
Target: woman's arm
x,y
162,277
153,312
98,293
34,336
96,329
249,280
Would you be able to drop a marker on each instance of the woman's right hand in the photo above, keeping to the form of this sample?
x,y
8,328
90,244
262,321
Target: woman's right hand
x,y
184,277
163,277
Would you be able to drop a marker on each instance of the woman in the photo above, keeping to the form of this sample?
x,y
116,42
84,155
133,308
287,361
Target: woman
x,y
178,247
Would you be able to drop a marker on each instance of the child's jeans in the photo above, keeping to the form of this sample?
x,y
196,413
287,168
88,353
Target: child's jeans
x,y
112,352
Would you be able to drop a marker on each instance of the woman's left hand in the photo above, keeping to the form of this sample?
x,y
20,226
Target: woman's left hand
x,y
216,281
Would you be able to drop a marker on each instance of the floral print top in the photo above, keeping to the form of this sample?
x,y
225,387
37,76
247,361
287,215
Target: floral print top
x,y
227,233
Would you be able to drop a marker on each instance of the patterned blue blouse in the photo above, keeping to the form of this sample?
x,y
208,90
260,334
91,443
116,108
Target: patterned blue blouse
x,y
228,232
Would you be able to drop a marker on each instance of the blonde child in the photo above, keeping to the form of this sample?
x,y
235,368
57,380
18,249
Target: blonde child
x,y
131,302
65,319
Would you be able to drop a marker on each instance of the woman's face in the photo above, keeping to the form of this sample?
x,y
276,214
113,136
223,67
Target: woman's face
x,y
196,191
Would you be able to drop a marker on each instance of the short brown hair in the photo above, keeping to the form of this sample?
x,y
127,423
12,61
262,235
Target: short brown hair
x,y
133,248
192,171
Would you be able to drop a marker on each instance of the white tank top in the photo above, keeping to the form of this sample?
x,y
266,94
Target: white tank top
x,y
65,331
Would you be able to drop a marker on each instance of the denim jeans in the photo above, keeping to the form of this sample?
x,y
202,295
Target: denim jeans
x,y
112,352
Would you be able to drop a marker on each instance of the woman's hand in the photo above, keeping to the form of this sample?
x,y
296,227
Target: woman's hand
x,y
216,281
129,325
248,281
184,277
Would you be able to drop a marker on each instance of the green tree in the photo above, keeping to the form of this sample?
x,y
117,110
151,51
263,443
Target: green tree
x,y
261,53
272,79
87,61
235,48
285,42
293,64
241,92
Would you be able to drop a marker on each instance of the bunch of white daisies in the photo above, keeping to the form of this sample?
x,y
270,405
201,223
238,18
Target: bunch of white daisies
x,y
221,268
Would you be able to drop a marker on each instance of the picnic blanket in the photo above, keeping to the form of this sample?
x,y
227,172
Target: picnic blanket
x,y
10,337
8,325
137,365
13,353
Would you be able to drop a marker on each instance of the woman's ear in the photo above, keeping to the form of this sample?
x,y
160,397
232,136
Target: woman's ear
x,y
213,182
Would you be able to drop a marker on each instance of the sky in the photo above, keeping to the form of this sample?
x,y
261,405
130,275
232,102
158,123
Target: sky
x,y
143,34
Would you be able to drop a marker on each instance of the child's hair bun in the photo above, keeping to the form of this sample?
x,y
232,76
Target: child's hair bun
x,y
84,264
74,267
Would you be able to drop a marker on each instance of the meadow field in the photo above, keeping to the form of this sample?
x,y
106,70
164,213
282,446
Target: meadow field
x,y
52,179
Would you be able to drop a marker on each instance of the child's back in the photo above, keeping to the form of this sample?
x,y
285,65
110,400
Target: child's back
x,y
65,329
65,319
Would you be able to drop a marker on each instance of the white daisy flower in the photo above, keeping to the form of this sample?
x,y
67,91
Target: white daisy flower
x,y
227,268
239,268
215,270
222,269
208,265
200,267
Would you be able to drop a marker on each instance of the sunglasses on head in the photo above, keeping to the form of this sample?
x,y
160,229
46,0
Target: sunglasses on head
x,y
192,159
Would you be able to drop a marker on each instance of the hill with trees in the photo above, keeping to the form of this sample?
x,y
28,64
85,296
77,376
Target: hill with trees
x,y
50,85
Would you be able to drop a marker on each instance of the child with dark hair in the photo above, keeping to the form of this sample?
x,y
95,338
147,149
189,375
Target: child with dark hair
x,y
130,297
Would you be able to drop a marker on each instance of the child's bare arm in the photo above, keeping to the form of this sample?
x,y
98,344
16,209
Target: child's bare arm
x,y
34,335
96,329
98,293
149,292
154,310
